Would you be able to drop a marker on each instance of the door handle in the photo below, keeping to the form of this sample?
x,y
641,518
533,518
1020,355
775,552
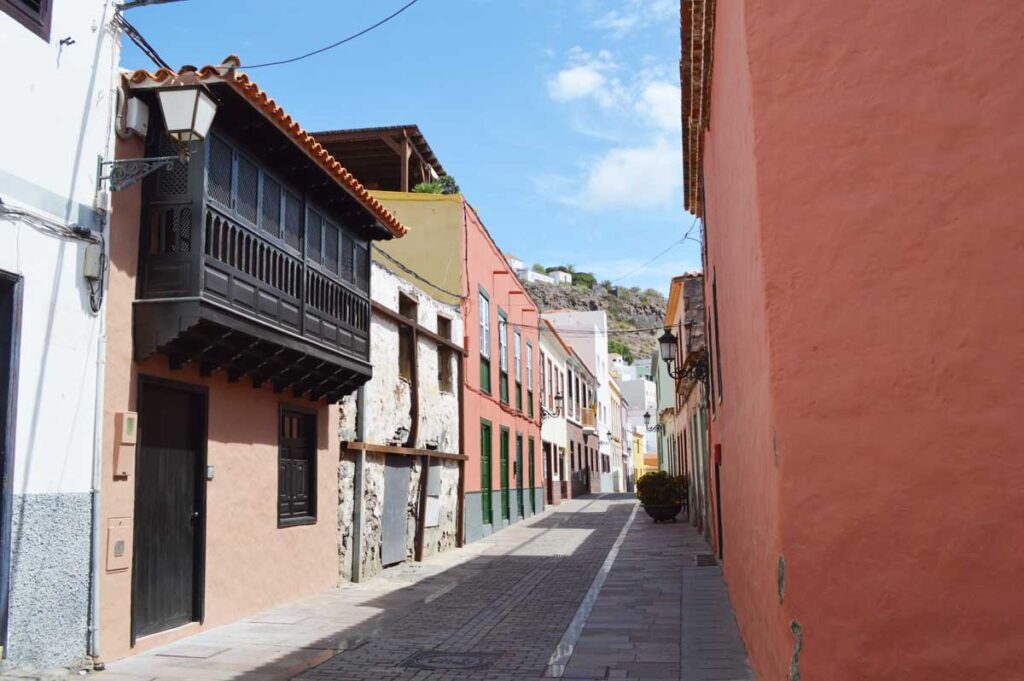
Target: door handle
x,y
192,518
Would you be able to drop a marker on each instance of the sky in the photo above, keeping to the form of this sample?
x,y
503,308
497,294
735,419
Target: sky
x,y
559,119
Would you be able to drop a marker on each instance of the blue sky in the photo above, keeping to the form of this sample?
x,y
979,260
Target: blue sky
x,y
558,118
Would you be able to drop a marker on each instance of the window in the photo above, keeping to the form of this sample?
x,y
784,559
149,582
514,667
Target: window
x,y
486,442
529,379
407,308
444,356
503,355
485,343
544,388
517,348
296,477
32,14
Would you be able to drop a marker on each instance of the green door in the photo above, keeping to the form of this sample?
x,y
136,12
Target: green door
x,y
504,475
519,476
533,497
485,471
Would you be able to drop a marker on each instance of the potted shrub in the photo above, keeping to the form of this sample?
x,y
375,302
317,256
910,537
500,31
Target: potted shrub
x,y
661,494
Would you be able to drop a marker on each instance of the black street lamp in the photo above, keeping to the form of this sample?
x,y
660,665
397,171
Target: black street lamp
x,y
659,427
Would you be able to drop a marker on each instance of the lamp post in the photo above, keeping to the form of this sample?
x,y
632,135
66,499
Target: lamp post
x,y
188,112
659,427
668,346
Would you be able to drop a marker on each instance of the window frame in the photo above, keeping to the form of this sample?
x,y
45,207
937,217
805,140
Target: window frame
x,y
529,379
484,326
309,518
406,344
445,376
40,25
503,356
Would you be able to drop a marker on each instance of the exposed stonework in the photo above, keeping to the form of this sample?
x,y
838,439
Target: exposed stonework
x,y
388,419
373,496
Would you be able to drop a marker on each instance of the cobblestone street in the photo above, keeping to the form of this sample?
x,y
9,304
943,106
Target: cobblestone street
x,y
588,590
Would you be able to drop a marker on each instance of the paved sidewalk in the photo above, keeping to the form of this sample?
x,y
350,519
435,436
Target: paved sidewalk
x,y
588,590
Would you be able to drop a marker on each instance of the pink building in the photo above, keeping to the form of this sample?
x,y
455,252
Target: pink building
x,y
501,420
857,169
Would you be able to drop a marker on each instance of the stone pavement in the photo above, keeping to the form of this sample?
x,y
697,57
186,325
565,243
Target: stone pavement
x,y
588,590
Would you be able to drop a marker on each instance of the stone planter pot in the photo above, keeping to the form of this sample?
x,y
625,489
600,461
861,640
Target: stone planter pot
x,y
663,513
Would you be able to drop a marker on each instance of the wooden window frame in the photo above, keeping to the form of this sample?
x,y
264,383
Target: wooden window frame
x,y
445,382
311,517
40,25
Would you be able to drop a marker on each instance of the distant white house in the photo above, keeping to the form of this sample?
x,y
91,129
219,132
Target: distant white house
x,y
534,277
560,276
515,263
525,273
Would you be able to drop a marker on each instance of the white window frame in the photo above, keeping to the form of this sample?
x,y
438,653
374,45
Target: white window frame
x,y
517,350
485,326
529,366
502,344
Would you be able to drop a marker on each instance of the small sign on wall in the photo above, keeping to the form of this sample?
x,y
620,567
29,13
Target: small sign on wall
x,y
119,544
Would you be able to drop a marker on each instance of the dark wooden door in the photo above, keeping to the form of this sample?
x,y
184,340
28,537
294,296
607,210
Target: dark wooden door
x,y
505,506
167,560
519,477
533,472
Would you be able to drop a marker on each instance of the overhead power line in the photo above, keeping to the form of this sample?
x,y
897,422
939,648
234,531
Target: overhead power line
x,y
670,247
333,45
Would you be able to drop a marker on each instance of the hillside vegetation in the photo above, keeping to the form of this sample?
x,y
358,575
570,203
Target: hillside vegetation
x,y
627,308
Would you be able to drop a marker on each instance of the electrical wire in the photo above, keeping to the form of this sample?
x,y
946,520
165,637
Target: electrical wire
x,y
415,274
670,247
137,38
333,45
62,230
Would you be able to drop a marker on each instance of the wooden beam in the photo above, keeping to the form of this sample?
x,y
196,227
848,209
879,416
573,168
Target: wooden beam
x,y
404,451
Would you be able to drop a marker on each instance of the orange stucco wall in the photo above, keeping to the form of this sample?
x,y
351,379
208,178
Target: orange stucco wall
x,y
864,220
250,563
505,292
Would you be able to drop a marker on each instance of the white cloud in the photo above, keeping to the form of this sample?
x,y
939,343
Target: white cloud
x,y
660,103
633,177
587,76
637,14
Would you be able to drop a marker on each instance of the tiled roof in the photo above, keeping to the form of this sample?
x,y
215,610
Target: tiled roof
x,y
697,26
228,74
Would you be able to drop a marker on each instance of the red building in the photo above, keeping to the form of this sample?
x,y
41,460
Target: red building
x,y
856,168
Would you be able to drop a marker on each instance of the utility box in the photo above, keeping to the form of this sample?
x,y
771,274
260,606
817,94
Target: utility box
x,y
119,544
127,431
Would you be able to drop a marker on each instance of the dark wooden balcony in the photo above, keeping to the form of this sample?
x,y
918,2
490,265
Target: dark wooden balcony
x,y
241,273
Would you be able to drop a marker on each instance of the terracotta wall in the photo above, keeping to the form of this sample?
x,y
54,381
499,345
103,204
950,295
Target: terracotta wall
x,y
742,423
250,563
483,259
864,221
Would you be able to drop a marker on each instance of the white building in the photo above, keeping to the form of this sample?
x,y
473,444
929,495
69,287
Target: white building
x,y
57,120
534,277
642,395
555,355
587,333
560,276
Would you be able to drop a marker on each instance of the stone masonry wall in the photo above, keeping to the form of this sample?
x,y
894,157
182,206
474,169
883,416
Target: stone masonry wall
x,y
388,404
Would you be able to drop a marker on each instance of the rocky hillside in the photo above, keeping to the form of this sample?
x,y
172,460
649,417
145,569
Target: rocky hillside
x,y
627,308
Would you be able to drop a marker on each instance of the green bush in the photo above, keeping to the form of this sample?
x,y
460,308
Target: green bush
x,y
445,184
617,346
658,488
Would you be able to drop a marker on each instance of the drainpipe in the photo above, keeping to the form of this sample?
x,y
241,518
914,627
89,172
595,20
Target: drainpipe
x,y
97,468
358,484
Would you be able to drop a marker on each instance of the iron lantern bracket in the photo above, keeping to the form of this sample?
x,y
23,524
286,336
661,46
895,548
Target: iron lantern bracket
x,y
123,173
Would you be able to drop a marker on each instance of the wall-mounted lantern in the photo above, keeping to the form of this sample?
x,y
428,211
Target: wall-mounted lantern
x,y
659,427
188,112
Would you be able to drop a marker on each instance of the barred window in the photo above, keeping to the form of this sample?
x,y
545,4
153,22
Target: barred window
x,y
270,207
219,163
